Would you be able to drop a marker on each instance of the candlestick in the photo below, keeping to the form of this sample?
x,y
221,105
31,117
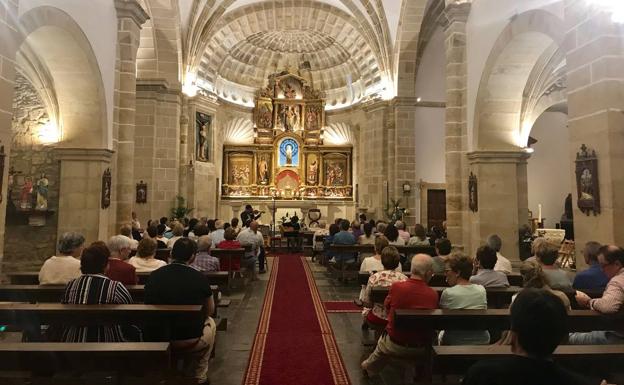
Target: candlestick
x,y
539,213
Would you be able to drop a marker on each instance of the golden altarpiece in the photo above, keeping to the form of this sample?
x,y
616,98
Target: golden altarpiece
x,y
288,159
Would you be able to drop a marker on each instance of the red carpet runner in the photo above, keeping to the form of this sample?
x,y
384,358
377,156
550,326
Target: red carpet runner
x,y
294,343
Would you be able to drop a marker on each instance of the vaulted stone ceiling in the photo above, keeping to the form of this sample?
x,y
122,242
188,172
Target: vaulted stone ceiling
x,y
233,45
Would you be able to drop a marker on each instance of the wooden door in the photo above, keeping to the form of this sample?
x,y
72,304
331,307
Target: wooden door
x,y
436,208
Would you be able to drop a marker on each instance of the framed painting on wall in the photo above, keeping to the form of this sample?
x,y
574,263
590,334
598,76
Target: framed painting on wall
x,y
587,187
240,168
335,170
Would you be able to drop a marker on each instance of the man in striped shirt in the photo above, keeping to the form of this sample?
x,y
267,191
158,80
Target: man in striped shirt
x,y
94,288
611,260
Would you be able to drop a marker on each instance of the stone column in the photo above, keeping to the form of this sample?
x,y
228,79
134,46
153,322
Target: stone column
x,y
80,193
405,155
130,17
456,140
595,60
503,201
8,50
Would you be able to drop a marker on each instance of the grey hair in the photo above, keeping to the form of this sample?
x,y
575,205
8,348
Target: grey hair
x,y
204,242
495,242
118,242
218,224
399,225
421,265
70,241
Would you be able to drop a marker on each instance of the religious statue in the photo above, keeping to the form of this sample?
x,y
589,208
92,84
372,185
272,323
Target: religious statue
x,y
26,194
312,172
311,118
289,155
265,117
587,185
202,122
42,192
263,171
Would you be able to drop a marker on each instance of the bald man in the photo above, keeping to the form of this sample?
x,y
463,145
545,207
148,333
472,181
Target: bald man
x,y
413,293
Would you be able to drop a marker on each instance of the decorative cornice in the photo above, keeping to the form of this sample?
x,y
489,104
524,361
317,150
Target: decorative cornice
x,y
455,13
503,156
131,9
88,154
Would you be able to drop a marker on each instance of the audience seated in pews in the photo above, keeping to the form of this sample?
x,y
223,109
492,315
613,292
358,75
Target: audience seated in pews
x,y
611,260
152,232
405,236
126,230
413,293
593,278
167,232
420,237
390,272
443,249
218,235
538,320
343,237
462,295
329,239
144,261
252,237
177,232
374,263
367,237
60,269
381,227
161,236
230,242
392,234
321,231
485,275
533,277
118,269
502,263
356,230
93,288
203,260
547,254
210,224
234,224
180,284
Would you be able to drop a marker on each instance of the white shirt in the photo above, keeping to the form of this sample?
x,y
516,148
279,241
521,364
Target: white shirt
x,y
217,236
502,264
371,264
59,270
248,237
145,265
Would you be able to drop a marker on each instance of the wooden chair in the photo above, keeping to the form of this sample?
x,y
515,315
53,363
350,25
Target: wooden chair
x,y
567,254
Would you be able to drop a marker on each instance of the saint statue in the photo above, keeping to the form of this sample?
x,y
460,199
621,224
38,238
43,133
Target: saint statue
x,y
289,155
42,193
203,142
312,172
263,171
26,194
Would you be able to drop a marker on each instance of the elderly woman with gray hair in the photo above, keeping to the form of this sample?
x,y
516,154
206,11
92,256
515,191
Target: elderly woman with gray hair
x,y
118,269
62,268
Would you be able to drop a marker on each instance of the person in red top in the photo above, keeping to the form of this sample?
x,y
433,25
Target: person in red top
x,y
230,242
118,270
413,293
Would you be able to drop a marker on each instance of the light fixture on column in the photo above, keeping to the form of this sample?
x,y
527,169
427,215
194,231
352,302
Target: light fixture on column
x,y
189,88
407,187
49,133
615,7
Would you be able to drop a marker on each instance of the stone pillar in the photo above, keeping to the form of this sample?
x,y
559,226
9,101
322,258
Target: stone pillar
x,y
503,201
456,140
595,104
80,194
405,155
8,49
130,17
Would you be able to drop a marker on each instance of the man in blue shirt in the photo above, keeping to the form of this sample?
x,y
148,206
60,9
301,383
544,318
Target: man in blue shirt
x,y
344,237
593,278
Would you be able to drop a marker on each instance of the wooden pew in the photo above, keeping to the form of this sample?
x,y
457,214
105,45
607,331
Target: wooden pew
x,y
455,360
492,319
229,255
440,279
406,250
497,297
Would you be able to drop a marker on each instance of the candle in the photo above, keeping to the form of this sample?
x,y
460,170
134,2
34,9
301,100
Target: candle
x,y
539,213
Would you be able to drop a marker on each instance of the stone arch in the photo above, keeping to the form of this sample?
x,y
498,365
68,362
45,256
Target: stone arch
x,y
71,67
160,52
406,46
497,124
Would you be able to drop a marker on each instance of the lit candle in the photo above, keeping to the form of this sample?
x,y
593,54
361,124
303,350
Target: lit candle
x,y
539,213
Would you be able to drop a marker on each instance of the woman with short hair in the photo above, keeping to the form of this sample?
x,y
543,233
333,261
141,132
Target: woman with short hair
x,y
392,233
145,259
420,237
60,269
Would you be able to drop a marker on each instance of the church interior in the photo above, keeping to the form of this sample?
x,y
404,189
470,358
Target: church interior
x,y
325,192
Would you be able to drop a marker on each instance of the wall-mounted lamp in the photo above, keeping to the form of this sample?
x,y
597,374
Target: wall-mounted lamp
x,y
407,188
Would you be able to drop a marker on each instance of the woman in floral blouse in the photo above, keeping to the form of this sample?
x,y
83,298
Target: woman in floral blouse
x,y
375,313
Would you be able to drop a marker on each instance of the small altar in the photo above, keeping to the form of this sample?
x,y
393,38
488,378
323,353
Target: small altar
x,y
288,160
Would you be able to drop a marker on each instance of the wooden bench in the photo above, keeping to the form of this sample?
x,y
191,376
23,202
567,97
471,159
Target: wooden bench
x,y
439,279
601,359
497,298
493,319
229,255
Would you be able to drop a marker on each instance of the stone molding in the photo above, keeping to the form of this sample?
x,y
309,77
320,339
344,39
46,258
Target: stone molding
x,y
455,13
85,154
131,9
498,157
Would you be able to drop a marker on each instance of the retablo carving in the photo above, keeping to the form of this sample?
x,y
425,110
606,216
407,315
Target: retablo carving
x,y
587,186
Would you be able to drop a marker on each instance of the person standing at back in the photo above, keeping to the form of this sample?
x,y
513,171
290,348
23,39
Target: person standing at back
x,y
180,284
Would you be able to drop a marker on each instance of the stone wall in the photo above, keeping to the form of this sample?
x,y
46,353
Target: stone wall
x,y
27,246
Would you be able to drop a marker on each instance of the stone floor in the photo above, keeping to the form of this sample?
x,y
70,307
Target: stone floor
x,y
234,346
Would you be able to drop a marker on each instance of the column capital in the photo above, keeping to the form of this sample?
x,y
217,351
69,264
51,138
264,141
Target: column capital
x,y
131,9
455,12
497,157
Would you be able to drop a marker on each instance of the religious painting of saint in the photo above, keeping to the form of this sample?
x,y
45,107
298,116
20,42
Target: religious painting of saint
x,y
288,153
335,172
203,124
239,169
141,192
264,169
588,191
289,87
264,114
312,169
313,117
106,188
